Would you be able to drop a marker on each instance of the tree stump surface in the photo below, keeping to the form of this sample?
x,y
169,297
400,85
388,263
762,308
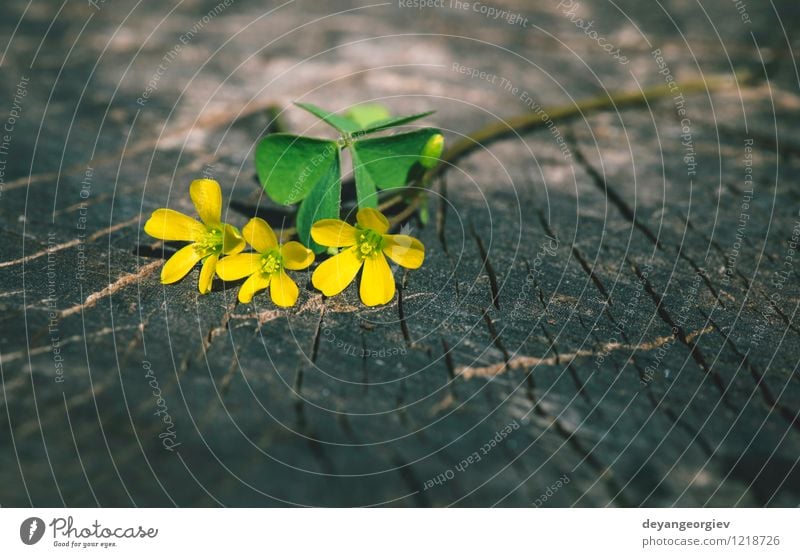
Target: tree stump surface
x,y
599,320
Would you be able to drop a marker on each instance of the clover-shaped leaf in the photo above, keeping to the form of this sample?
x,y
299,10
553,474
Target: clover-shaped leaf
x,y
367,114
306,170
290,166
387,162
381,125
344,125
322,202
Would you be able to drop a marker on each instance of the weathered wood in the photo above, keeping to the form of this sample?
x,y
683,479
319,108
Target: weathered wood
x,y
593,293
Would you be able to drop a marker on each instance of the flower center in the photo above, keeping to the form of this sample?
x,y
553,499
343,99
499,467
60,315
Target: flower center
x,y
211,242
271,262
369,242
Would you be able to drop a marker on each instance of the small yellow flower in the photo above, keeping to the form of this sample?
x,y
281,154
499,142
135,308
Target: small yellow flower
x,y
366,245
266,268
209,238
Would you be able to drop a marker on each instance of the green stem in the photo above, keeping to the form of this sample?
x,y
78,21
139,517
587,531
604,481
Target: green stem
x,y
532,121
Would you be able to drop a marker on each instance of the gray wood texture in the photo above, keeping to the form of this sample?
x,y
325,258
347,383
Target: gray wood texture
x,y
596,320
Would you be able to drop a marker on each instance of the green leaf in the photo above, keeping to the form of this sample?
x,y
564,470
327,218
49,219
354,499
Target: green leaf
x,y
322,203
367,114
366,191
389,160
344,125
289,166
392,122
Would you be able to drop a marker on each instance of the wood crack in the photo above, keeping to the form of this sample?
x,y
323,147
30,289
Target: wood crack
x,y
71,244
768,397
680,334
660,405
600,182
603,472
113,288
517,362
589,270
487,267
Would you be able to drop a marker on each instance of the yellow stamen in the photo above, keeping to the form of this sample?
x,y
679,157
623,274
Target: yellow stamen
x,y
211,242
271,262
369,242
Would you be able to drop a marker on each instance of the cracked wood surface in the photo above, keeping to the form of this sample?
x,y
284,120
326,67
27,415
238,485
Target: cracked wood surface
x,y
590,299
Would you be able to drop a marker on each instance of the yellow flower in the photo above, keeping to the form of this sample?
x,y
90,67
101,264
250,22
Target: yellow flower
x,y
209,238
366,245
267,267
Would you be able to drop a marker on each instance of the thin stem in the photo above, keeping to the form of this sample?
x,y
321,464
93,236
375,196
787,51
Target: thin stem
x,y
533,121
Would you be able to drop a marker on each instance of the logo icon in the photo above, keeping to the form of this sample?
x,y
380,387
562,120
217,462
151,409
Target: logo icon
x,y
31,530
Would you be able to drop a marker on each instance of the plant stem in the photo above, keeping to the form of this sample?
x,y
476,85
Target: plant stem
x,y
533,121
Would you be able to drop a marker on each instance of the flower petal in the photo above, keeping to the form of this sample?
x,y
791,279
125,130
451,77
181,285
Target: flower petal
x,y
404,250
296,256
372,219
256,282
207,198
259,234
207,273
238,266
232,240
377,281
334,274
333,233
283,290
166,224
180,264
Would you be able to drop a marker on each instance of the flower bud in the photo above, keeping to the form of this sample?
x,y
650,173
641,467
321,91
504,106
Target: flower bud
x,y
432,151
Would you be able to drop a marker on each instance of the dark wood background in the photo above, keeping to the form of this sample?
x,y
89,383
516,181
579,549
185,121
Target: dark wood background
x,y
639,331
